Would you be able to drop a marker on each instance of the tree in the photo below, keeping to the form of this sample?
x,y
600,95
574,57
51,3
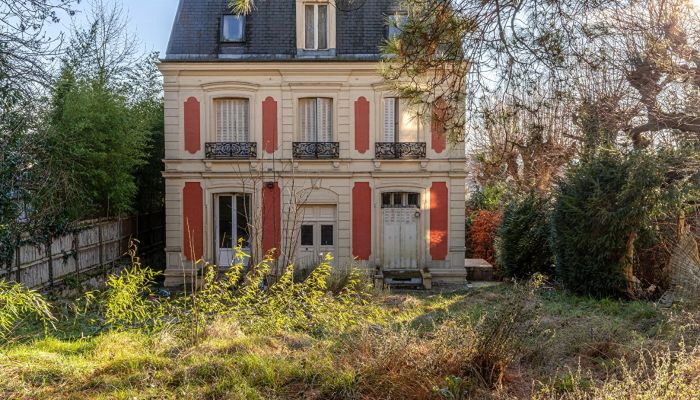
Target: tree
x,y
523,238
105,106
25,53
25,49
526,141
604,205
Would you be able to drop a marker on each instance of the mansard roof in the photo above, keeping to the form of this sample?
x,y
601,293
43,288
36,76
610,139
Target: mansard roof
x,y
270,31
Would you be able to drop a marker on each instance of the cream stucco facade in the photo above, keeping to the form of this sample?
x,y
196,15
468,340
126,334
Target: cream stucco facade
x,y
314,186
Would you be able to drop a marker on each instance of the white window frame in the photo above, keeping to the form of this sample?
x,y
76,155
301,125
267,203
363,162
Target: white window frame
x,y
241,129
399,108
316,26
316,135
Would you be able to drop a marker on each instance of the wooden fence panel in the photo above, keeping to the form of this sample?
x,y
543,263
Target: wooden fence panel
x,y
95,244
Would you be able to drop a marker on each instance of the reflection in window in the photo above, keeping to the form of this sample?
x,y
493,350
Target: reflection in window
x,y
225,222
395,25
233,28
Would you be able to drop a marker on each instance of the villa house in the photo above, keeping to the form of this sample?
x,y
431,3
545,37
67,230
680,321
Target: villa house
x,y
280,132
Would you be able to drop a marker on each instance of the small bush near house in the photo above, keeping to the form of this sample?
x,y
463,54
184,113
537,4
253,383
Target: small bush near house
x,y
482,234
523,238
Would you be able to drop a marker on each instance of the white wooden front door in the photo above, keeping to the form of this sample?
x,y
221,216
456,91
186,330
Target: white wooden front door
x,y
231,220
400,224
317,236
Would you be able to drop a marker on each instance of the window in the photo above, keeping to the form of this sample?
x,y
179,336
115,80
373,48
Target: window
x,y
401,124
232,120
233,211
307,235
395,24
316,27
400,200
316,119
326,235
233,28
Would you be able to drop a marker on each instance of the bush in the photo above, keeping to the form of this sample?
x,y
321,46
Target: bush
x,y
482,234
604,204
18,303
523,239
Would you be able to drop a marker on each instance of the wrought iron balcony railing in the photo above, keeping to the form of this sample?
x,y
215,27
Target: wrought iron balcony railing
x,y
316,150
230,150
394,150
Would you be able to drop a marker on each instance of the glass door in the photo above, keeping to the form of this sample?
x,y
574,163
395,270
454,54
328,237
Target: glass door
x,y
231,216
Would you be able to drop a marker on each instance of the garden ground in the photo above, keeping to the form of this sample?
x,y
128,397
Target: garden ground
x,y
428,346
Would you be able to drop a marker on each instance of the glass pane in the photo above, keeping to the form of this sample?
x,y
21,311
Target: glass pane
x,y
232,120
307,235
233,28
408,130
242,213
326,235
386,199
322,27
225,222
309,120
324,125
310,42
396,23
414,200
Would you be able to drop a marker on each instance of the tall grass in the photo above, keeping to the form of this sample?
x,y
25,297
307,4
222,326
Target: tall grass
x,y
17,304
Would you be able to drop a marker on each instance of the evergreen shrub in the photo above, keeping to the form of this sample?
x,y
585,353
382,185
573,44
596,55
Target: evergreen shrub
x,y
523,247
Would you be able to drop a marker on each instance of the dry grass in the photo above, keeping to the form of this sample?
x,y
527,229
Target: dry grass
x,y
495,343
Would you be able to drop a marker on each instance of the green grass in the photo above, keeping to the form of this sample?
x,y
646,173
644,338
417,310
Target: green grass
x,y
411,354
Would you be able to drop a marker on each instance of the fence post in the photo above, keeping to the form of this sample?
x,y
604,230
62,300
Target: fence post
x,y
76,248
99,238
18,264
48,251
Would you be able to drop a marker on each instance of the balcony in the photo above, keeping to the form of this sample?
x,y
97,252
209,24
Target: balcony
x,y
230,150
399,151
316,150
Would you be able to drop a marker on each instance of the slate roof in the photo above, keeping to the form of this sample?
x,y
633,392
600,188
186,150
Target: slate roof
x,y
271,32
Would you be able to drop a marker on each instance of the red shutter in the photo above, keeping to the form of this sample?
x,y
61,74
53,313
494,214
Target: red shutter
x,y
193,220
269,125
362,125
271,218
361,220
438,140
192,123
439,208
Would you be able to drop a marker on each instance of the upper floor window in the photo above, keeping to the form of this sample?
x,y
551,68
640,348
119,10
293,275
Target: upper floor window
x,y
316,26
233,28
232,120
401,123
316,119
395,25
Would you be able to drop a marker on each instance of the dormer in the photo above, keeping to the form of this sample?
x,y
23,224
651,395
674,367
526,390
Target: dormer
x,y
316,28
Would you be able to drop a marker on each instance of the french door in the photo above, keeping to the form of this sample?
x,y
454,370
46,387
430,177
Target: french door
x,y
231,216
317,236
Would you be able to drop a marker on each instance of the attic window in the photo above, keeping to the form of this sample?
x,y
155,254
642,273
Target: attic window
x,y
395,25
233,28
316,26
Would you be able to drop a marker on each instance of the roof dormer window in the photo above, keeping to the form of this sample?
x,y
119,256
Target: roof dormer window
x,y
395,25
233,28
316,26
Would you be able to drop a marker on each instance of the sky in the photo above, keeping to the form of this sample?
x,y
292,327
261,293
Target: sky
x,y
149,20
